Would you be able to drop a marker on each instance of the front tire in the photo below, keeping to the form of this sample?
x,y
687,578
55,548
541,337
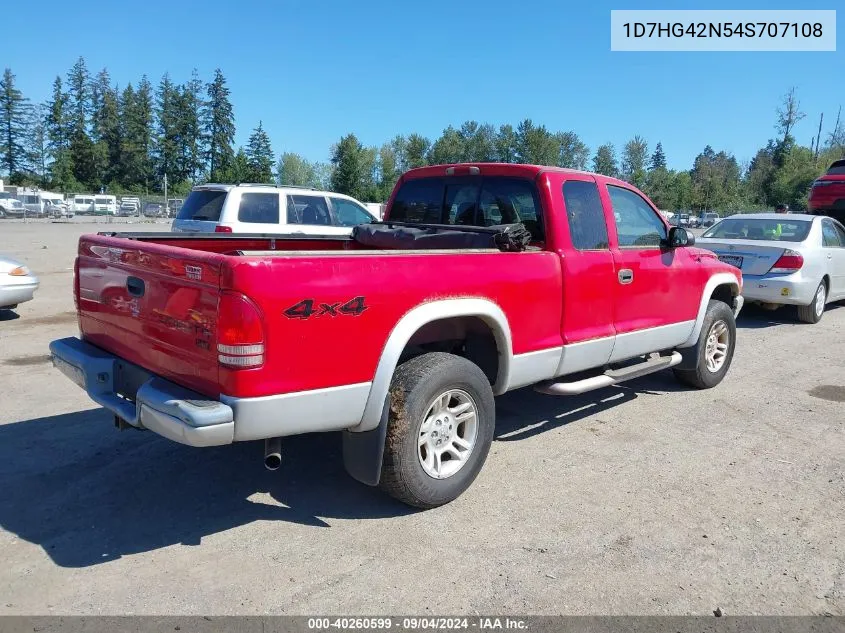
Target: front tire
x,y
706,363
439,431
813,312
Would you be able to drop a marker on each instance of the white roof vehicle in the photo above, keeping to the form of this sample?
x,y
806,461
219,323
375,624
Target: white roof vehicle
x,y
249,208
790,259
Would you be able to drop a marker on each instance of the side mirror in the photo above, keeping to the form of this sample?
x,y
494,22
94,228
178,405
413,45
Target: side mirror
x,y
679,236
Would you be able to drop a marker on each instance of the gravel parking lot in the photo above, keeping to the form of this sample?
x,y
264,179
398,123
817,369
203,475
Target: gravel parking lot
x,y
644,499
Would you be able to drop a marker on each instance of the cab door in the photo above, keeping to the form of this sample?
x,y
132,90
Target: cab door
x,y
588,269
657,289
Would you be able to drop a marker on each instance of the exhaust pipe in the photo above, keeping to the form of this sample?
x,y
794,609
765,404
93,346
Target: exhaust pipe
x,y
272,453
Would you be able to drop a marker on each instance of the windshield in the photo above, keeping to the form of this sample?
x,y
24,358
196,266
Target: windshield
x,y
760,229
203,205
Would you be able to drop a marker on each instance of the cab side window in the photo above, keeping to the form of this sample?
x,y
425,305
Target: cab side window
x,y
637,224
584,212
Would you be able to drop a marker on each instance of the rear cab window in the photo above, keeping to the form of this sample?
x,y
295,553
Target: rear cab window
x,y
470,201
203,204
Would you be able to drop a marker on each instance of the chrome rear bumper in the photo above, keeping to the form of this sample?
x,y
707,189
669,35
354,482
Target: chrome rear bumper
x,y
159,405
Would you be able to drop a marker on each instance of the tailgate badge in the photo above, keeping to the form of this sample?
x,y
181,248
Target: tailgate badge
x,y
193,272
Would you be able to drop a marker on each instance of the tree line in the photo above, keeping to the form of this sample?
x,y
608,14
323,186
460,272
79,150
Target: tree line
x,y
91,135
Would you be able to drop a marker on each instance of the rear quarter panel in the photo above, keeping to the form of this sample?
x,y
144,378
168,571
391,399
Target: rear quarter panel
x,y
324,350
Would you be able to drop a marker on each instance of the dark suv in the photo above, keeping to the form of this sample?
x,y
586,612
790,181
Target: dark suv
x,y
827,197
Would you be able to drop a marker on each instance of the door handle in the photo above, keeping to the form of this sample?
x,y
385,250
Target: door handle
x,y
626,276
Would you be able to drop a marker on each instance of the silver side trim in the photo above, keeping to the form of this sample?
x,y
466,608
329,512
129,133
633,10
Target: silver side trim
x,y
484,309
331,409
654,339
527,369
585,355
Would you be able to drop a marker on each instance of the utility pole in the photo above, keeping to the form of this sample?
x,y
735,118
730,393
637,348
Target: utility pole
x,y
166,209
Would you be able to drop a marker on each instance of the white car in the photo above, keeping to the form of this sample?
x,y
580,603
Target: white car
x,y
269,209
785,259
17,283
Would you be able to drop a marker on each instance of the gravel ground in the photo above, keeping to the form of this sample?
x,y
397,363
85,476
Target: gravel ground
x,y
646,499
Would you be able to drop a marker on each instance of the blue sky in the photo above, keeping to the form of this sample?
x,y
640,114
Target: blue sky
x,y
313,71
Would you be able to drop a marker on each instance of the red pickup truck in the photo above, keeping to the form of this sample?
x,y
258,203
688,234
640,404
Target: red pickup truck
x,y
401,335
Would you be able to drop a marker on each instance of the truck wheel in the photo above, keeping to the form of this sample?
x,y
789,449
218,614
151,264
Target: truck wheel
x,y
439,431
707,362
813,313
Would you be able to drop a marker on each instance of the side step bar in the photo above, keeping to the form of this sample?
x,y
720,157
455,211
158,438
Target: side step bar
x,y
609,378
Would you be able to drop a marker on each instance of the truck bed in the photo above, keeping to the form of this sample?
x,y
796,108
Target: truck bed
x,y
324,301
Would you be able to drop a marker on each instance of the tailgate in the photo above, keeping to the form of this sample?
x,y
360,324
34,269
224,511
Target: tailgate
x,y
153,305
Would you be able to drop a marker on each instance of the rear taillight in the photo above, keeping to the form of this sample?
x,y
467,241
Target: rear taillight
x,y
76,283
222,229
240,332
789,262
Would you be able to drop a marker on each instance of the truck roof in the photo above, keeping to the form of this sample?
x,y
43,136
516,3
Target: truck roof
x,y
498,169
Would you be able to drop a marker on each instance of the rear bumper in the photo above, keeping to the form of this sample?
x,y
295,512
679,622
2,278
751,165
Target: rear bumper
x,y
779,289
161,406
190,418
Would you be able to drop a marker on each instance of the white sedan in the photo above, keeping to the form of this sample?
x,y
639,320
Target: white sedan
x,y
789,259
17,283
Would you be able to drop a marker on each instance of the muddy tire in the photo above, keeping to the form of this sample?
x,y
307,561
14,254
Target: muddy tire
x,y
813,312
439,430
706,363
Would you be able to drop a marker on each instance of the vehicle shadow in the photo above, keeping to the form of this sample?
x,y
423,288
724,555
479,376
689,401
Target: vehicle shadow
x,y
523,413
753,317
7,314
88,494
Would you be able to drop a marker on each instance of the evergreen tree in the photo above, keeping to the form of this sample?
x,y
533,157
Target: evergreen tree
x,y
259,156
219,126
190,118
349,167
15,117
79,98
105,128
658,158
57,128
167,151
604,162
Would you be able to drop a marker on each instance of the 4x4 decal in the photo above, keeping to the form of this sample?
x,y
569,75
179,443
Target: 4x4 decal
x,y
308,308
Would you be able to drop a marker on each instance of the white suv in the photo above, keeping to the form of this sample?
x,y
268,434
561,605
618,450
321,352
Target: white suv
x,y
247,208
